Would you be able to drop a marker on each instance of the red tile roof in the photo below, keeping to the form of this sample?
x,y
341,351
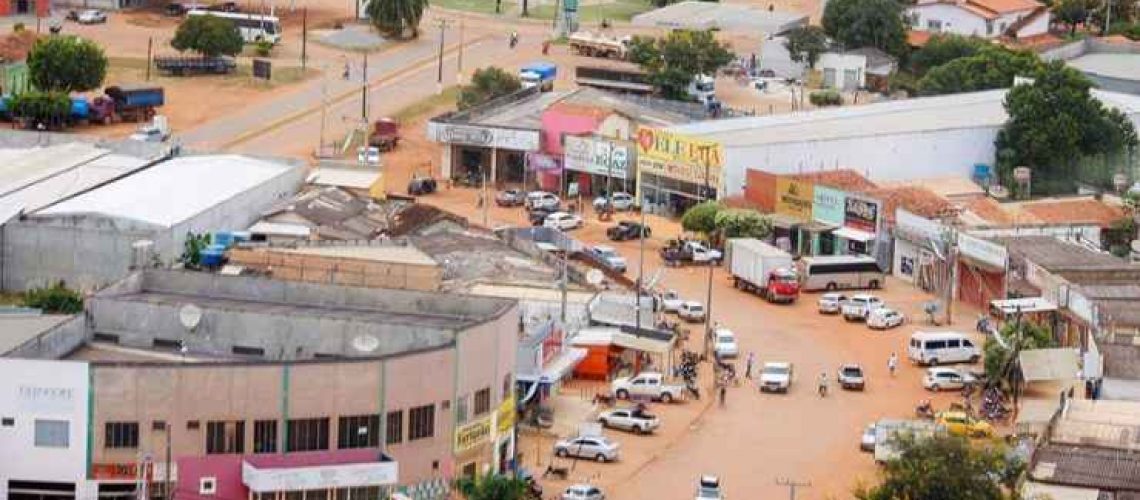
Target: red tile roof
x,y
989,209
1086,211
916,200
918,38
1005,6
845,179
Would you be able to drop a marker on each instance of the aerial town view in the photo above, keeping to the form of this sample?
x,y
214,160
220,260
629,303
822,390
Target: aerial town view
x,y
569,249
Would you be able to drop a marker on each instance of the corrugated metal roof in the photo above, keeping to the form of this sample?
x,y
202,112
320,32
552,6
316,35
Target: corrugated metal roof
x,y
1050,364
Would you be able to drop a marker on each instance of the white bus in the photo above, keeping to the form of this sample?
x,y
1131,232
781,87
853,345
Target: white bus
x,y
835,272
253,28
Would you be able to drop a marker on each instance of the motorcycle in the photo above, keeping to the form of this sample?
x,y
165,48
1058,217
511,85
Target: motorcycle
x,y
924,410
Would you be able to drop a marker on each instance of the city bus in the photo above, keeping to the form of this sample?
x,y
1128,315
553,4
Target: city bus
x,y
253,28
835,272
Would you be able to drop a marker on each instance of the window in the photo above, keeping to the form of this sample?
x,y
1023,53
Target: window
x,y
967,343
989,27
360,431
469,469
158,425
248,351
507,386
934,25
7,422
936,344
421,422
225,437
167,344
461,410
308,434
265,436
51,434
394,427
954,343
121,435
483,401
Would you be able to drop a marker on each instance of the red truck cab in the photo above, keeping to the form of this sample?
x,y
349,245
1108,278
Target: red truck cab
x,y
783,286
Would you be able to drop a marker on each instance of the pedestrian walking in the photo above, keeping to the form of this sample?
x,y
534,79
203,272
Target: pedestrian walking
x,y
748,366
347,70
723,391
893,363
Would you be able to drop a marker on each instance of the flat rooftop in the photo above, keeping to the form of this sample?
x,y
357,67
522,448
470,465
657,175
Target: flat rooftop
x,y
713,15
380,253
15,329
1055,254
1122,66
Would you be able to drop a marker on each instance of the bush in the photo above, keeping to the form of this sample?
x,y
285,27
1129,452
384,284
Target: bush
x,y
56,299
263,48
18,27
826,97
48,108
1130,31
701,218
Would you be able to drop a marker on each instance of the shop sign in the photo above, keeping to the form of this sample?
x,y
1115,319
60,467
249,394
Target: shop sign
x,y
986,252
505,418
38,399
114,471
542,162
491,137
679,157
597,156
794,198
472,434
861,213
827,205
916,228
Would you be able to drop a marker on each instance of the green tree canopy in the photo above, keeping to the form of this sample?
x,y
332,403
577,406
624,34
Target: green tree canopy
x,y
487,84
66,64
866,23
1071,13
805,44
701,218
1054,123
48,108
945,468
991,68
396,18
999,360
742,223
943,48
210,36
492,487
674,60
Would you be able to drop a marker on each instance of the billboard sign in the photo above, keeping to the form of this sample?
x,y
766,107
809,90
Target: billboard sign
x,y
828,205
861,213
679,157
597,156
794,198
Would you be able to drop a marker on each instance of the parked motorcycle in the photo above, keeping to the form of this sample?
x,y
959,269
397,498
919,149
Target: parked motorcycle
x,y
924,410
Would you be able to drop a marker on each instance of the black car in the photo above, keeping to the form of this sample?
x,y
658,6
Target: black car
x,y
421,185
538,215
176,9
224,7
627,230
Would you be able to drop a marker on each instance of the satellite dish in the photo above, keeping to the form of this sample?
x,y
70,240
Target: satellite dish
x,y
594,277
190,315
1135,245
365,343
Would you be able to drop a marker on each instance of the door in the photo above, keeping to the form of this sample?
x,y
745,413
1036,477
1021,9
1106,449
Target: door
x,y
851,79
829,78
25,7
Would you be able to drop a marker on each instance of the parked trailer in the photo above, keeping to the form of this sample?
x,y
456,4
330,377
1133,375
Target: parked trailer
x,y
128,103
180,66
618,80
763,269
598,45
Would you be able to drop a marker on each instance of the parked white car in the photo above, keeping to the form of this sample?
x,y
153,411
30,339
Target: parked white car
x,y
831,302
724,344
597,448
647,385
943,378
583,492
691,311
563,221
610,257
860,305
884,318
541,200
630,419
671,301
776,377
708,488
91,16
369,156
867,443
150,133
622,201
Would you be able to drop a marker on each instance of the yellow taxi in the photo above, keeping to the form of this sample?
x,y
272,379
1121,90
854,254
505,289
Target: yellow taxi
x,y
959,423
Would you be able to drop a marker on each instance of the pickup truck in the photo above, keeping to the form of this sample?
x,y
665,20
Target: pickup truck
x,y
647,385
680,252
630,419
859,306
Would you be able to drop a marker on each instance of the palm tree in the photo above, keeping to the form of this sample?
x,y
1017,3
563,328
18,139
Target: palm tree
x,y
394,18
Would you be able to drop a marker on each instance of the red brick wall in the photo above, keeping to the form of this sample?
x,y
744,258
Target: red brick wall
x,y
41,7
760,189
978,287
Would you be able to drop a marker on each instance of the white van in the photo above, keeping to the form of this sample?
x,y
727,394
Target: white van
x,y
932,348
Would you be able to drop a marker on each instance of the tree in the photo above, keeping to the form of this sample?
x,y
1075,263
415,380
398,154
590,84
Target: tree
x,y
945,467
701,218
737,223
866,23
210,36
805,44
487,84
492,487
35,107
66,64
674,60
991,68
1071,13
396,18
1054,123
943,48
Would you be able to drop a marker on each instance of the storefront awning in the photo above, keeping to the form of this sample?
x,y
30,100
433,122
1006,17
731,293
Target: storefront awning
x,y
854,234
1061,363
1025,305
616,337
285,476
562,364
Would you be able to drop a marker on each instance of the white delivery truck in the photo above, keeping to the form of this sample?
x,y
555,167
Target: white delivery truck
x,y
763,269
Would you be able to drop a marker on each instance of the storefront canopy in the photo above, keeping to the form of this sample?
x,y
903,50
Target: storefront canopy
x,y
1025,305
854,234
616,337
1049,364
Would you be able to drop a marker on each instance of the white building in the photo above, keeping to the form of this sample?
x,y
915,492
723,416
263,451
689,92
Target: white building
x,y
43,413
890,141
983,18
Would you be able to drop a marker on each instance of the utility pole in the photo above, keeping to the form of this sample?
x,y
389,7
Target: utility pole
x,y
364,91
792,485
565,257
459,57
708,297
439,73
149,47
1107,16
166,493
324,107
304,36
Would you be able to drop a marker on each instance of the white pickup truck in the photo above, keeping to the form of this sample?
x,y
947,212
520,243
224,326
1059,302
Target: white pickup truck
x,y
647,385
630,419
859,306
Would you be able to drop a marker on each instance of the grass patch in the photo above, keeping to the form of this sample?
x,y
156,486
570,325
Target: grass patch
x,y
618,10
11,299
481,6
131,69
424,106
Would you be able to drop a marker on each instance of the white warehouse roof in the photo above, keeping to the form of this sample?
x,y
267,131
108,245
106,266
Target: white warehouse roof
x,y
175,190
713,15
924,114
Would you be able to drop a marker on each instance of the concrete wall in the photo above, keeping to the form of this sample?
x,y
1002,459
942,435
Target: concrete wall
x,y
33,390
340,270
55,343
888,157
